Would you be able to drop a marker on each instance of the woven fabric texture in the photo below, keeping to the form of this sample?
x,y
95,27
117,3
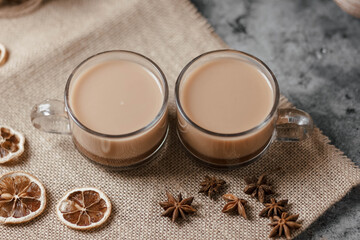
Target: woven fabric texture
x,y
44,48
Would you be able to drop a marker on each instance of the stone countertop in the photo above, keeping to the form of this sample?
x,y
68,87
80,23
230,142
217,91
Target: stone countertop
x,y
313,47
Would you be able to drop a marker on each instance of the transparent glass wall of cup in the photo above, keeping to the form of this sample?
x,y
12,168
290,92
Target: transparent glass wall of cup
x,y
236,149
119,151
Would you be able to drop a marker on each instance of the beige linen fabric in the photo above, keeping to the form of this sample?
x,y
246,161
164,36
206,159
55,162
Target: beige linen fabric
x,y
47,44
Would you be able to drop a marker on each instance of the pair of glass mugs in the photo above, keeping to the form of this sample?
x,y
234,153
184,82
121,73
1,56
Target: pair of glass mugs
x,y
133,149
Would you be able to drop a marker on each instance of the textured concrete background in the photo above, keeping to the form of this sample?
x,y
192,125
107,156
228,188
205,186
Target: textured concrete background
x,y
313,48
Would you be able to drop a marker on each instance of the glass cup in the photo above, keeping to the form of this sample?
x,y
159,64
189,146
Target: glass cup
x,y
118,151
226,150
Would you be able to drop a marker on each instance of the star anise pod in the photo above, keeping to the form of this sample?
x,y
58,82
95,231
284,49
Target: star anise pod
x,y
283,224
258,188
274,208
175,206
234,204
211,186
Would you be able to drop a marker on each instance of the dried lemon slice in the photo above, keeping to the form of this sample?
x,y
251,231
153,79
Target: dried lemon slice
x,y
22,197
11,144
84,208
3,54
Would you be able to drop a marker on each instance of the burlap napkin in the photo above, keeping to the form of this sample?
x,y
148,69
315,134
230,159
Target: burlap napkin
x,y
48,43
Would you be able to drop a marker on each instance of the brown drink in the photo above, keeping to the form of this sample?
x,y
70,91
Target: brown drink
x,y
222,98
227,109
227,96
121,101
116,97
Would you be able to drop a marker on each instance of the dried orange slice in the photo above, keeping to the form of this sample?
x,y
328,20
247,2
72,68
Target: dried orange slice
x,y
11,144
22,197
84,208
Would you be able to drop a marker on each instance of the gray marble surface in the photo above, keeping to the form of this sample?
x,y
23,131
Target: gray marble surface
x,y
313,48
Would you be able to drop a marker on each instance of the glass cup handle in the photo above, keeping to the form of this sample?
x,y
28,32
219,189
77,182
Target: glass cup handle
x,y
50,116
293,125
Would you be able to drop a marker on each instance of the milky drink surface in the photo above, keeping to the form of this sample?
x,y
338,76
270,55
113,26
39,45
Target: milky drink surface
x,y
117,97
226,96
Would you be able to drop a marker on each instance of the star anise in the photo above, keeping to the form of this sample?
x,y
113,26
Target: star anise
x,y
274,208
234,204
283,224
211,186
258,188
175,206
